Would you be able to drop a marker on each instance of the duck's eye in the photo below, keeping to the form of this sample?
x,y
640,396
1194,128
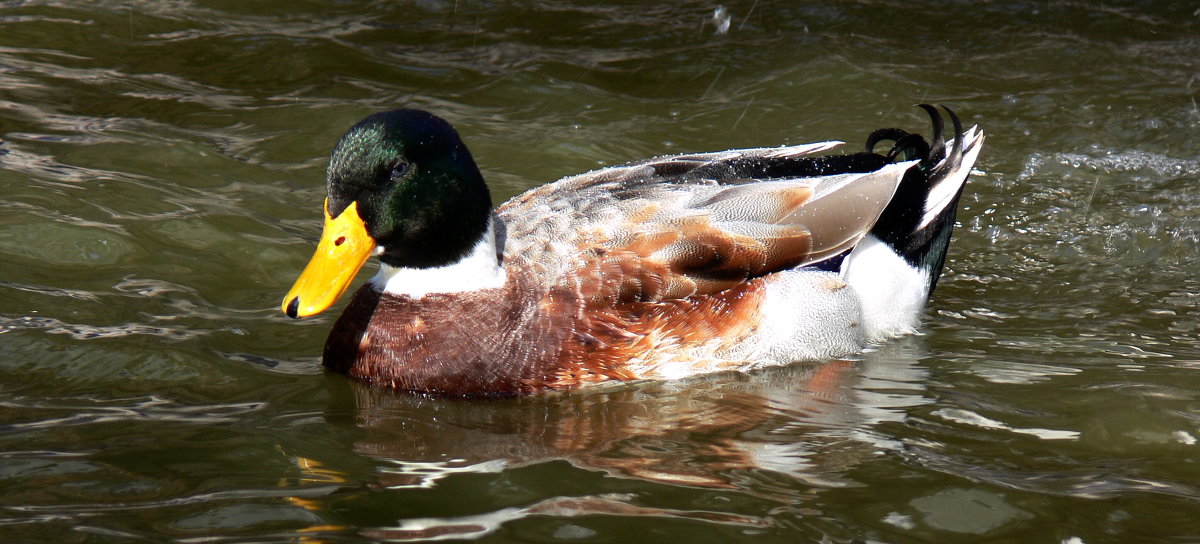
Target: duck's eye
x,y
400,170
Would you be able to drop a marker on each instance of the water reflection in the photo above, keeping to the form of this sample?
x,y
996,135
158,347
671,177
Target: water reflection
x,y
774,435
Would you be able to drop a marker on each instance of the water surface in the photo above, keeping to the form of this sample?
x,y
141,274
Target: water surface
x,y
161,173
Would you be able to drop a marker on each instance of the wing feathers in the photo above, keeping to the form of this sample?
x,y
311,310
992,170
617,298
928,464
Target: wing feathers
x,y
677,226
767,202
846,207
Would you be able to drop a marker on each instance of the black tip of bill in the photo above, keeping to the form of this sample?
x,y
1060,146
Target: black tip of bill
x,y
293,308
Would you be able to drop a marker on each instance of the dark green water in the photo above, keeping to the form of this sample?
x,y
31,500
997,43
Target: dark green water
x,y
161,174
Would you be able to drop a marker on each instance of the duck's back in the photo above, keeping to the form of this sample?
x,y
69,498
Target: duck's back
x,y
679,226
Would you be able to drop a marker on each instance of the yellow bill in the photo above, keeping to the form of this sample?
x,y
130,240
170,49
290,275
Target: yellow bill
x,y
344,247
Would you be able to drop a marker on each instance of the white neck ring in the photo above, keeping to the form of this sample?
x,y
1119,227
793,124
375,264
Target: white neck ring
x,y
479,269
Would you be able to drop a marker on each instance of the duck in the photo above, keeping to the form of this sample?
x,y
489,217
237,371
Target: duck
x,y
658,269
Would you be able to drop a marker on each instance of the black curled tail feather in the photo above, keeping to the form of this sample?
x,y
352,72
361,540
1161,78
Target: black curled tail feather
x,y
915,227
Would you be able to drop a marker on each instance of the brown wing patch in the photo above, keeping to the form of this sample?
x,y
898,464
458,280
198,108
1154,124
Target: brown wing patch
x,y
688,256
674,244
640,340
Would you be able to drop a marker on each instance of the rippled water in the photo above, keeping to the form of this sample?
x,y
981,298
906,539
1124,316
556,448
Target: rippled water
x,y
161,173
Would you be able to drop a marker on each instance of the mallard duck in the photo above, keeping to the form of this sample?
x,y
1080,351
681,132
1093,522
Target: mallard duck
x,y
657,269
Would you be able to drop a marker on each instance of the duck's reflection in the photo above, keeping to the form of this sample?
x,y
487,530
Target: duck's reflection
x,y
794,419
806,424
